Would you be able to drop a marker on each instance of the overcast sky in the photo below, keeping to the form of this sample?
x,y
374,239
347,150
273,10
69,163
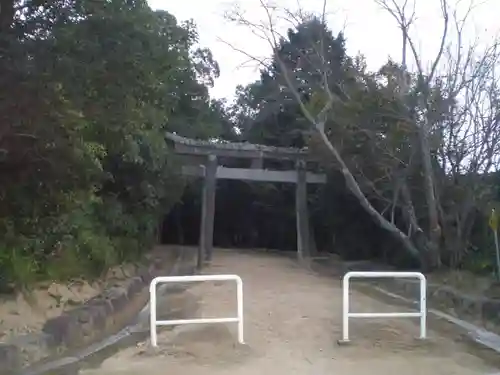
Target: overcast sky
x,y
367,28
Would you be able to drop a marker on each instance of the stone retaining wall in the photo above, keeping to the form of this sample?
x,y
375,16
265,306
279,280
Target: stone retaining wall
x,y
96,319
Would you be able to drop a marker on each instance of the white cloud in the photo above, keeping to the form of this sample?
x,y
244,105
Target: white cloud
x,y
368,30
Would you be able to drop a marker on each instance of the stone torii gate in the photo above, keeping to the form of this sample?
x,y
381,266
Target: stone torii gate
x,y
202,159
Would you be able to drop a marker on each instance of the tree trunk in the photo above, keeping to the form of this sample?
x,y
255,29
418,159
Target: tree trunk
x,y
354,188
6,16
178,224
430,197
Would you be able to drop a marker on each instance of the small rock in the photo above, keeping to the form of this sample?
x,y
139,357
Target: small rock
x,y
118,299
10,359
135,286
62,330
491,310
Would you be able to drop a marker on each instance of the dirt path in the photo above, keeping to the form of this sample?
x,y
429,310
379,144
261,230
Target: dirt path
x,y
292,322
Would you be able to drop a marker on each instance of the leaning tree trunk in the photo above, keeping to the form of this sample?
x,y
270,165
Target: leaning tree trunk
x,y
355,190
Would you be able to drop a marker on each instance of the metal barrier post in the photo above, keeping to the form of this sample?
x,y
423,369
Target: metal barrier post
x,y
181,279
346,314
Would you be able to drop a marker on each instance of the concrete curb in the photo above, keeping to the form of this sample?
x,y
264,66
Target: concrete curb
x,y
96,319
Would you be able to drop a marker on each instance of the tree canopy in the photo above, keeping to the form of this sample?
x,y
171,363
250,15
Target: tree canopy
x,y
417,150
89,89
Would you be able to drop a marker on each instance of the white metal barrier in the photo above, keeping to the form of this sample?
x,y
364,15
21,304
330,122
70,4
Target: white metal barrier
x,y
181,279
346,314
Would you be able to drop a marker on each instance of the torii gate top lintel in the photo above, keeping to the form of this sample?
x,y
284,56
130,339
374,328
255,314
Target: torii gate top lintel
x,y
187,146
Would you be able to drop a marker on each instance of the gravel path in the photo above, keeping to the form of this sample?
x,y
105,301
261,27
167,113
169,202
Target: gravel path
x,y
292,323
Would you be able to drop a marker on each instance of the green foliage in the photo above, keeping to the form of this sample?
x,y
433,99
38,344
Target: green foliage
x,y
268,112
87,91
